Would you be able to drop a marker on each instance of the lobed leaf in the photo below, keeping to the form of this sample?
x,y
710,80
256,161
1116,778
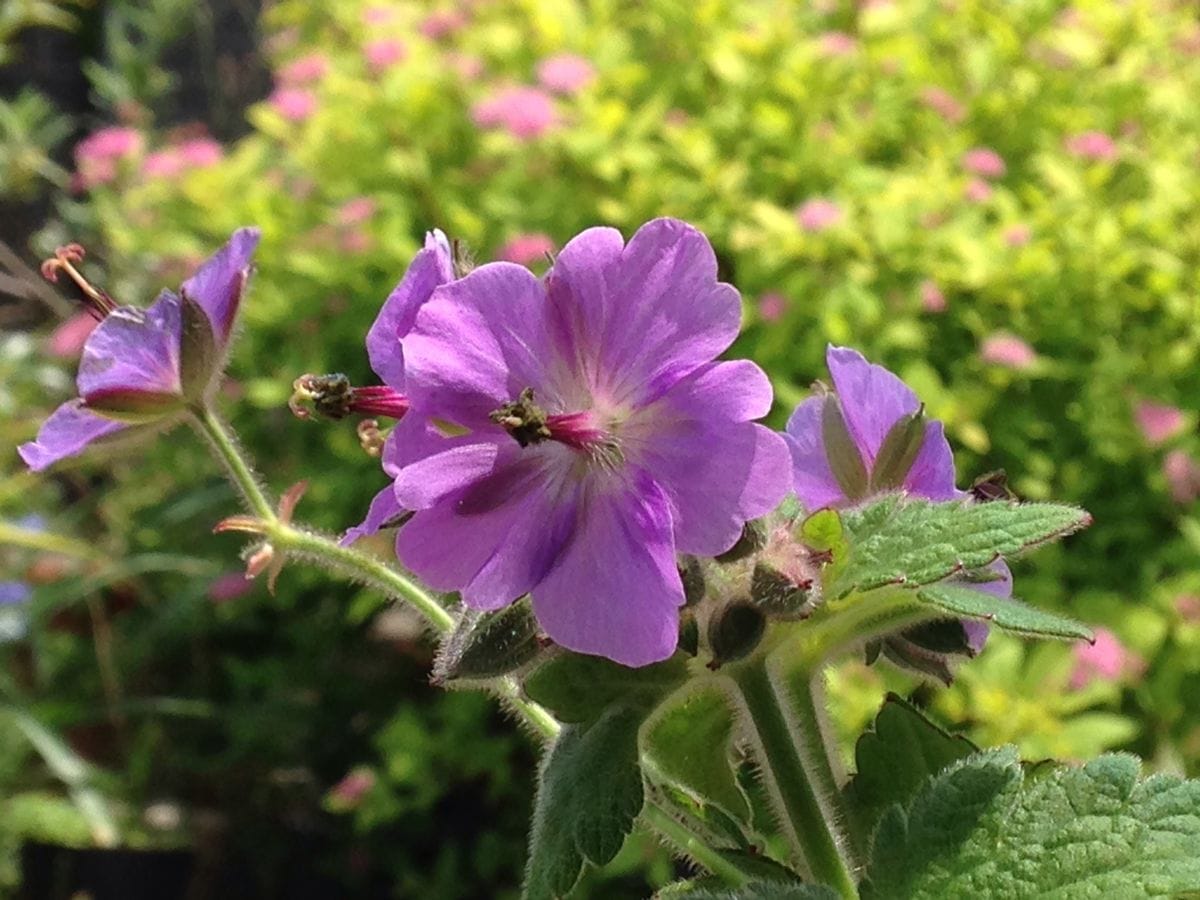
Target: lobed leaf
x,y
579,688
589,792
983,829
908,540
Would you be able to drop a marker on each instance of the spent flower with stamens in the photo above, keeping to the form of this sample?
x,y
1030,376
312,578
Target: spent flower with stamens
x,y
569,436
869,436
141,368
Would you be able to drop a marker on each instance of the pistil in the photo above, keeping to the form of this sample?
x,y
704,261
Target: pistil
x,y
99,303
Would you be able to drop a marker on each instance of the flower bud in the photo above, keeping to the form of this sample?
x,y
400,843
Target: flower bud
x,y
777,595
734,632
488,644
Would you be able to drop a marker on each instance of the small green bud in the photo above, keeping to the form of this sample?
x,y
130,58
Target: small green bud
x,y
734,632
777,595
488,644
753,539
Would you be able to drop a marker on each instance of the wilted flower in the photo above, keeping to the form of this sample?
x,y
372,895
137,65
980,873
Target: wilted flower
x,y
1158,422
1105,659
985,162
525,249
1092,145
294,104
869,436
1008,351
384,53
524,112
818,214
141,367
305,70
569,436
944,104
1183,476
932,298
565,73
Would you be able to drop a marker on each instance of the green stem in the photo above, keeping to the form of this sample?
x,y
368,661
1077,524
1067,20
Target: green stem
x,y
805,816
240,473
678,834
31,539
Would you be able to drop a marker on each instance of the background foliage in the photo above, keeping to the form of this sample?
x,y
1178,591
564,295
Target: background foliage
x,y
826,151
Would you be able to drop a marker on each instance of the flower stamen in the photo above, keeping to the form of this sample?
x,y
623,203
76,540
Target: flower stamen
x,y
99,303
334,397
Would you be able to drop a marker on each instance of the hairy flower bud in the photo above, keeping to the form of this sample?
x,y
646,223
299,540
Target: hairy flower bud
x,y
779,596
734,632
753,539
488,644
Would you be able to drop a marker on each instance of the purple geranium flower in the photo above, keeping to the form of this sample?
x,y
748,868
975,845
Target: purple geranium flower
x,y
431,267
869,436
142,367
567,437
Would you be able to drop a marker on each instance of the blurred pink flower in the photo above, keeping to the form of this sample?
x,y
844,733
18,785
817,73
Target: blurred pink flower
x,y
162,164
442,23
565,73
1008,351
356,242
97,155
818,214
932,298
525,249
348,793
978,191
201,152
384,53
1183,476
294,104
984,162
677,117
1188,607
378,15
524,112
944,104
1158,422
304,70
1105,660
230,586
67,339
772,306
1092,145
1017,235
356,211
467,66
836,43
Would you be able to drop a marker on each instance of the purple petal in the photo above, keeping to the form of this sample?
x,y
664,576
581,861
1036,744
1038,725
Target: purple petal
x,y
218,284
424,483
477,343
932,472
497,538
717,469
812,478
383,509
668,313
68,431
430,268
615,591
977,631
134,351
873,399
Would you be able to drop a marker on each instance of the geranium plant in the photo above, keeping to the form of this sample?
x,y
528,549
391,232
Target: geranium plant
x,y
589,515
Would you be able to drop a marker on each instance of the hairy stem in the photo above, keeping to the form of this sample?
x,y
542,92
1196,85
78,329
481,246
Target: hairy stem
x,y
658,817
780,750
225,449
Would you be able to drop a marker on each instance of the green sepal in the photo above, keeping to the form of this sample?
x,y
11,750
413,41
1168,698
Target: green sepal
x,y
898,452
488,644
845,461
198,353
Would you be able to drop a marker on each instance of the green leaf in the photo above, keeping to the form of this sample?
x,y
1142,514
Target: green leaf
x,y
691,741
900,753
982,829
589,791
1010,614
579,688
754,890
906,540
823,532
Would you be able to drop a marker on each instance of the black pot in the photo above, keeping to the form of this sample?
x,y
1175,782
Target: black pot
x,y
51,872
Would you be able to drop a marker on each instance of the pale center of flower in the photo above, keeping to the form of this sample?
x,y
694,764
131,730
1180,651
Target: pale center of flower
x,y
529,424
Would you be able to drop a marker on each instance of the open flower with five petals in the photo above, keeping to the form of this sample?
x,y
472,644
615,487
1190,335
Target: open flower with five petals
x,y
567,437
